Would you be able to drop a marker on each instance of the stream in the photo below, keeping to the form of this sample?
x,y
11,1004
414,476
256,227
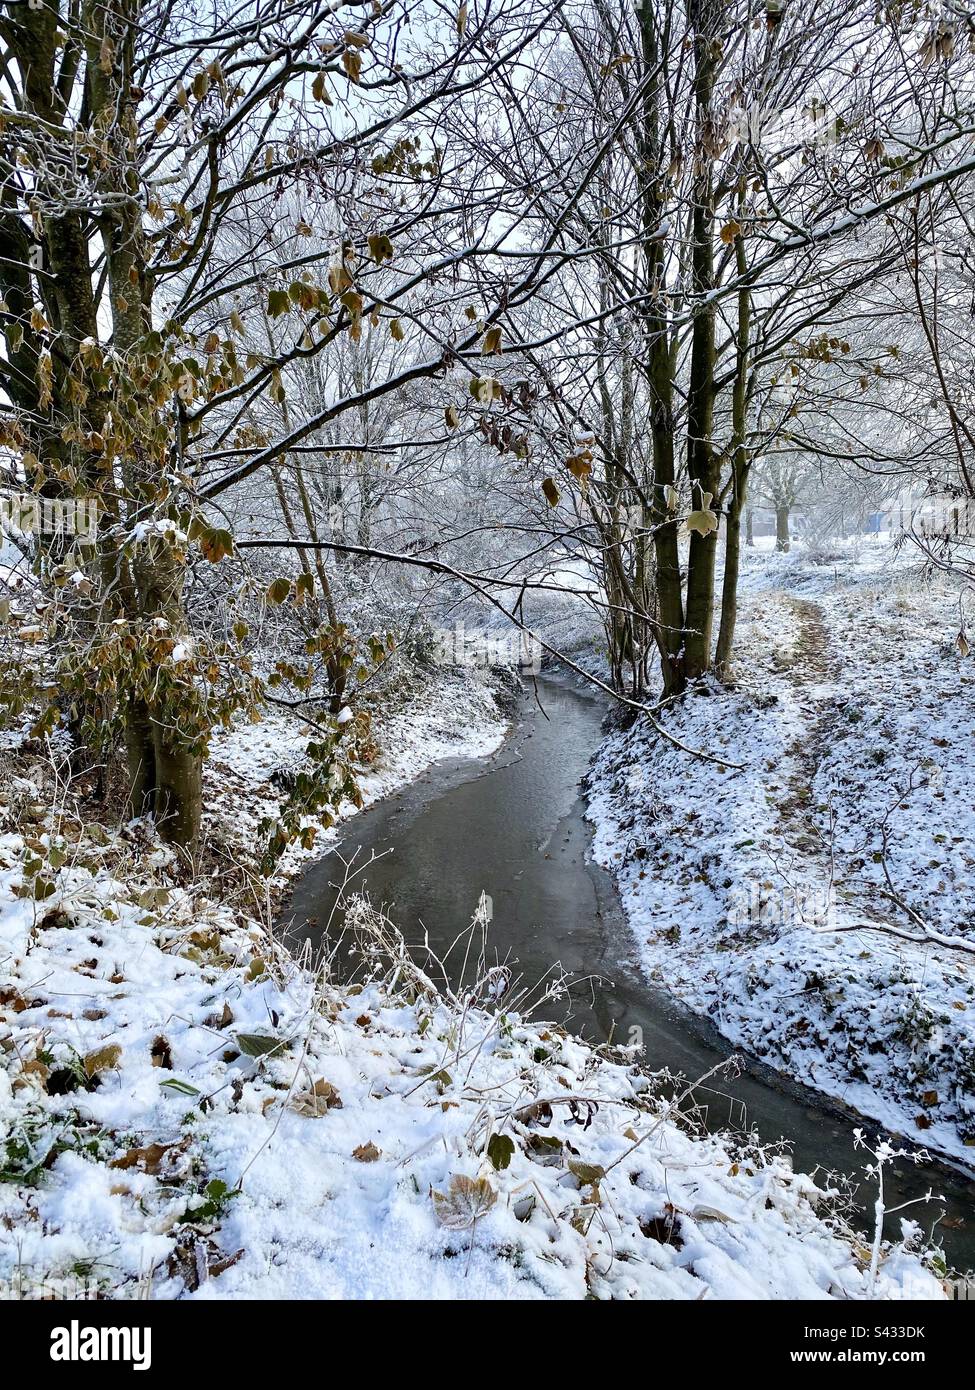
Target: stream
x,y
513,826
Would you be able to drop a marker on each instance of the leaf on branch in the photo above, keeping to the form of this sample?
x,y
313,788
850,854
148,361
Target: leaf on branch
x,y
396,331
551,492
353,302
279,590
339,278
462,21
451,417
278,303
729,231
352,62
214,543
492,342
704,520
618,62
319,90
485,389
380,248
45,380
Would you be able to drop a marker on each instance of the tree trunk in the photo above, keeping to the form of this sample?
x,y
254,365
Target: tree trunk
x,y
702,467
782,528
740,467
669,631
164,764
750,527
140,757
178,790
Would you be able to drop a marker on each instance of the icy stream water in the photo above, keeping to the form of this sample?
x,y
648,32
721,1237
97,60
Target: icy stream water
x,y
513,826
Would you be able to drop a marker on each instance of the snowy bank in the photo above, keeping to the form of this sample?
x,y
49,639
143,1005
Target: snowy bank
x,y
185,1112
777,898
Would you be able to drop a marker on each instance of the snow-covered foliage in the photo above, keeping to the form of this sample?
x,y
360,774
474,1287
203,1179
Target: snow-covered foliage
x,y
185,1111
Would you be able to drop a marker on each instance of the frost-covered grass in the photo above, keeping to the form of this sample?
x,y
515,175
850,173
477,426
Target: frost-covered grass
x,y
798,900
185,1111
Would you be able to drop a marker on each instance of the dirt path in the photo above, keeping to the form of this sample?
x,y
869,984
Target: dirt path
x,y
812,674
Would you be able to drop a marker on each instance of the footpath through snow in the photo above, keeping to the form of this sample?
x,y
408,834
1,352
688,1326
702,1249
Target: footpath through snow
x,y
186,1112
804,902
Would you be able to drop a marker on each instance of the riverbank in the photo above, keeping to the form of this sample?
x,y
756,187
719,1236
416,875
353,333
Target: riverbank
x,y
803,902
187,1112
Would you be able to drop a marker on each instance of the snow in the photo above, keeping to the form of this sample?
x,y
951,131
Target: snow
x,y
185,1111
759,897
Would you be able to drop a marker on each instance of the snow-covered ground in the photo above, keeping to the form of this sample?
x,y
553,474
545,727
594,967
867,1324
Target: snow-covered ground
x,y
802,900
184,1111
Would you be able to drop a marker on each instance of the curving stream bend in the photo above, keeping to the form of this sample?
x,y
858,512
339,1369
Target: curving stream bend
x,y
513,826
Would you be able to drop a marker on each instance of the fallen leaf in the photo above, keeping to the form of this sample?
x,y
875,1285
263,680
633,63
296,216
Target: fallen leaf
x,y
149,1158
221,1020
37,1070
500,1150
586,1172
367,1153
318,1101
259,1044
219,1266
102,1059
465,1201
